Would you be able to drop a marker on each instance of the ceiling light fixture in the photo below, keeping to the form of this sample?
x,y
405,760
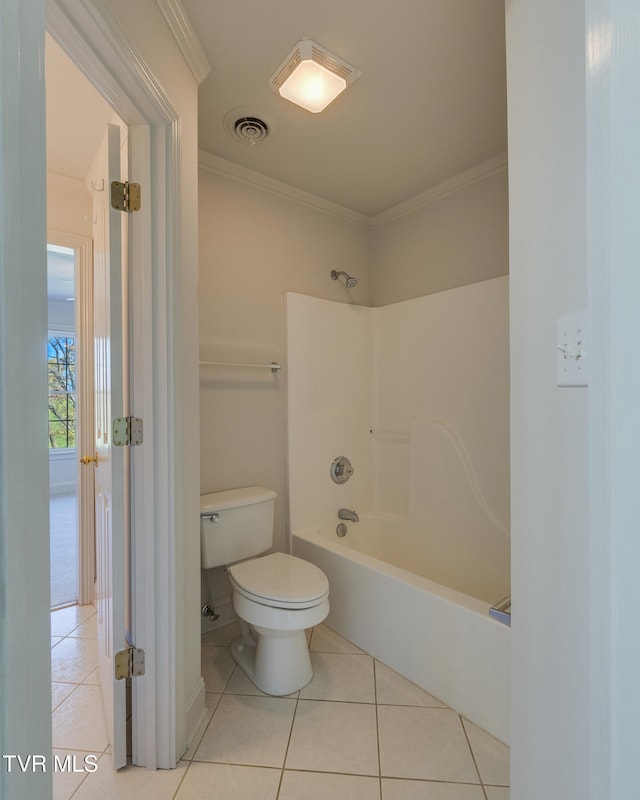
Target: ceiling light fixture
x,y
311,76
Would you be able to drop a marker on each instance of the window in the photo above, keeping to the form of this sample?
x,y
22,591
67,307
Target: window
x,y
61,371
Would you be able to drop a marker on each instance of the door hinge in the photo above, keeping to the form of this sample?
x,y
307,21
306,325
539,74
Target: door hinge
x,y
129,663
125,196
126,430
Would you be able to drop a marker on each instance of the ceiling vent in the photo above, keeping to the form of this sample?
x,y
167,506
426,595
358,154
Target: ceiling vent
x,y
250,126
251,129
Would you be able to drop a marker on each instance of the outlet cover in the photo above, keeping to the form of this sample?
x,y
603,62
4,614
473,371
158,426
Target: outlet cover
x,y
571,350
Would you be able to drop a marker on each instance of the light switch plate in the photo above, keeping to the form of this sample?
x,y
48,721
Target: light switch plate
x,y
571,352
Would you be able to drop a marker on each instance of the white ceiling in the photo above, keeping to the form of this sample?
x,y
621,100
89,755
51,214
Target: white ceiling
x,y
77,115
430,103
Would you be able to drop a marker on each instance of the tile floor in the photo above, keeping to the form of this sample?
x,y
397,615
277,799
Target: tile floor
x,y
358,731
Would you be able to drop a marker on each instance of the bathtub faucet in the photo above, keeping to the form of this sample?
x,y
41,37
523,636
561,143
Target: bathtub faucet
x,y
346,513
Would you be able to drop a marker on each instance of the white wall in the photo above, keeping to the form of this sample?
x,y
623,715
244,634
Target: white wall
x,y
61,315
549,425
458,235
255,245
613,176
69,208
62,472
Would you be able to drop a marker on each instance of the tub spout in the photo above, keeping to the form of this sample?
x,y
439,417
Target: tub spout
x,y
347,513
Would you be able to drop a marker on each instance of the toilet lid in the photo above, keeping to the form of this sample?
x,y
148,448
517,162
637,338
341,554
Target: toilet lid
x,y
280,580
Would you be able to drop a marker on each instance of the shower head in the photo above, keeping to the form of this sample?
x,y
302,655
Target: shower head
x,y
349,282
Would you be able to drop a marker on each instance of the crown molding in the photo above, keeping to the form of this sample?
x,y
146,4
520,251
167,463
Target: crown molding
x,y
442,190
186,38
221,166
229,169
67,184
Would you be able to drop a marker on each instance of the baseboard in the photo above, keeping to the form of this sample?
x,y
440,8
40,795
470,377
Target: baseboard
x,y
195,711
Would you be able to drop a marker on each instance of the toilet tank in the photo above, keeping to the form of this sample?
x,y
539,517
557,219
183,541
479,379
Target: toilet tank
x,y
235,524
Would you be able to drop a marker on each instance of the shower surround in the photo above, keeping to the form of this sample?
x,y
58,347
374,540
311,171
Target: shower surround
x,y
416,395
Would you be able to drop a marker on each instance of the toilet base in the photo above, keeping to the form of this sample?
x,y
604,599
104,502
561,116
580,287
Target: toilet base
x,y
277,662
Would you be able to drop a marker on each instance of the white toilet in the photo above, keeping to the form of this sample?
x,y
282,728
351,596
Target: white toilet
x,y
276,597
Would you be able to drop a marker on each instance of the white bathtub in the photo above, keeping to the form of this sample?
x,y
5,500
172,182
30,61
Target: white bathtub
x,y
437,637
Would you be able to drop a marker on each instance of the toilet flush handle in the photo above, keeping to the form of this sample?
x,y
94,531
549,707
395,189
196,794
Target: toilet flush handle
x,y
215,517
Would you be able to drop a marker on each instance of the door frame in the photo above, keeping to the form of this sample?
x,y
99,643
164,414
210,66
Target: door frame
x,y
91,36
25,618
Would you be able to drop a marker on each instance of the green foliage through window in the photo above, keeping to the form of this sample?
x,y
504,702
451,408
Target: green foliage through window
x,y
61,369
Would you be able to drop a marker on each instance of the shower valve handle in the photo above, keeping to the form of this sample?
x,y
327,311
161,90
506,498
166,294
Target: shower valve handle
x,y
341,469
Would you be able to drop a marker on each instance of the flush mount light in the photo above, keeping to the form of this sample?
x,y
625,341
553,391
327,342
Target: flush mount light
x,y
312,77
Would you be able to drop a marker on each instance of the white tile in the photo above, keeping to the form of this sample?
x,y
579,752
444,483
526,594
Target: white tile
x,y
70,770
211,701
217,666
72,660
328,786
88,629
393,789
239,683
324,640
66,620
334,737
395,690
248,730
341,676
93,677
497,792
78,722
222,636
130,782
55,640
59,691
491,755
424,743
229,782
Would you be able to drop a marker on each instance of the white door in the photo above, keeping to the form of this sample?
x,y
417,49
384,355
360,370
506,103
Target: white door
x,y
111,497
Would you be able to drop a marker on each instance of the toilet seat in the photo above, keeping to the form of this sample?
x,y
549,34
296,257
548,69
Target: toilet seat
x,y
280,581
